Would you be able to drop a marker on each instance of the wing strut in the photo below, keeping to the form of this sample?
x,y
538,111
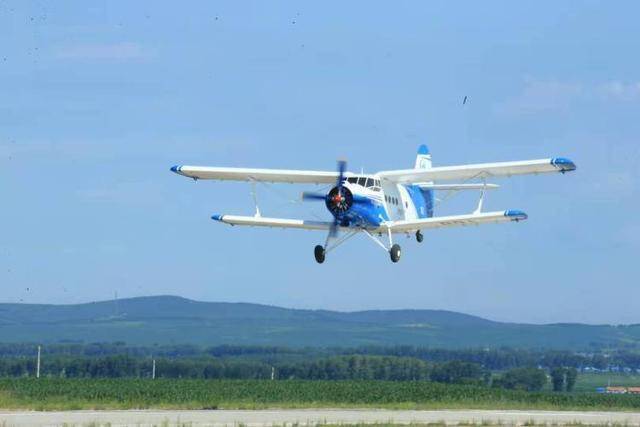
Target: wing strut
x,y
480,201
254,194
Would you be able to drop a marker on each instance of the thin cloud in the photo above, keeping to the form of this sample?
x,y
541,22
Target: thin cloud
x,y
103,52
620,90
553,96
542,96
127,193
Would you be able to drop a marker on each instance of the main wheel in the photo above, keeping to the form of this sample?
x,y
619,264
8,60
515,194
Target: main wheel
x,y
319,253
395,253
419,236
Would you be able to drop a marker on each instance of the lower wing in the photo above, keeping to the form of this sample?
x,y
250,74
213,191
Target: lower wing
x,y
258,221
455,220
394,227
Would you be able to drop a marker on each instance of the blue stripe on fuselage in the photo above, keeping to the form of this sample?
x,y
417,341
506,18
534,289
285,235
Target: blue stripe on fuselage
x,y
422,200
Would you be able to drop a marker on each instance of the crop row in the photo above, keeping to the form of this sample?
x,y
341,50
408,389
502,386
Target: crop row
x,y
214,393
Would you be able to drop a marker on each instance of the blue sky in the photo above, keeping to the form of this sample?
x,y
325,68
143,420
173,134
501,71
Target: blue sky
x,y
99,99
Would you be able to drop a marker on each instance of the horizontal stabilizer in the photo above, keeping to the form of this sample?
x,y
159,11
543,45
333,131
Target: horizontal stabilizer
x,y
458,187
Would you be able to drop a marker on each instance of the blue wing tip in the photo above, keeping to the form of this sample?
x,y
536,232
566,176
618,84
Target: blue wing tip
x,y
563,164
516,215
217,217
423,149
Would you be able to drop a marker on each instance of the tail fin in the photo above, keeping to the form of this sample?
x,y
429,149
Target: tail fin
x,y
423,160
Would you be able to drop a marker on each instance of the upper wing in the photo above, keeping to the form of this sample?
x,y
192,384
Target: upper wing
x,y
267,175
455,220
481,170
258,221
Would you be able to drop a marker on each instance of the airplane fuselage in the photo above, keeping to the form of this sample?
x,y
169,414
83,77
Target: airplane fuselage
x,y
376,201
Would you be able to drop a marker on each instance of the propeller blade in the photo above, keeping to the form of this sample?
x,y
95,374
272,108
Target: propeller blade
x,y
308,195
342,167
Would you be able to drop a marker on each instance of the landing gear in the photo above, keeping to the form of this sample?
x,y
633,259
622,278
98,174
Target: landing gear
x,y
332,242
319,253
419,236
395,253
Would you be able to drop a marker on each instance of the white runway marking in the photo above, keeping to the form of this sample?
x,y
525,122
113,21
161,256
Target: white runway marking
x,y
277,417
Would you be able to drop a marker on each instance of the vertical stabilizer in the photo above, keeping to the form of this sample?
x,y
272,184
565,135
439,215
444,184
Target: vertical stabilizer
x,y
423,159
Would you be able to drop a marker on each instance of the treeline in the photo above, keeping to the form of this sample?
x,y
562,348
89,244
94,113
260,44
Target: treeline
x,y
491,359
119,366
354,367
508,358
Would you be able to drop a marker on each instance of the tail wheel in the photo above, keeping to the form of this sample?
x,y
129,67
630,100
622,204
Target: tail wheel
x,y
395,253
319,253
419,236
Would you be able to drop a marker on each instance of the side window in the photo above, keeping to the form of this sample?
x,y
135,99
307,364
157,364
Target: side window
x,y
369,182
362,181
352,180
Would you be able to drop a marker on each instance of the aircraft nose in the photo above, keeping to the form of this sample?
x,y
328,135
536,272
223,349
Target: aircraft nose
x,y
175,169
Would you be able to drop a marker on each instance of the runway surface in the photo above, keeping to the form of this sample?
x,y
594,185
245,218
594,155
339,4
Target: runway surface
x,y
279,417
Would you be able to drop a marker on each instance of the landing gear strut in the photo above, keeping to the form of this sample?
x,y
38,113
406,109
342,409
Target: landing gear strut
x,y
419,236
320,252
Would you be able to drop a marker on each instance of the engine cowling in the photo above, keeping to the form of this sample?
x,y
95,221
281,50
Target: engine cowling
x,y
339,200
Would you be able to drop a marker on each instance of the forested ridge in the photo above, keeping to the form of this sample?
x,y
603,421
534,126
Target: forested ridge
x,y
163,320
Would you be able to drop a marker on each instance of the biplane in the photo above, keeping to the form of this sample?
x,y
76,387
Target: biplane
x,y
382,204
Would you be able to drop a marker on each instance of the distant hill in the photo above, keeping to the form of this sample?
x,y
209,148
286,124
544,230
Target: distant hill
x,y
175,320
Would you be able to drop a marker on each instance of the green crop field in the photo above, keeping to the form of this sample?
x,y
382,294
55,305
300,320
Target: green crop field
x,y
589,382
49,394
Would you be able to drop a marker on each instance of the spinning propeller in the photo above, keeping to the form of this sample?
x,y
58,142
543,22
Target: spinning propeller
x,y
339,200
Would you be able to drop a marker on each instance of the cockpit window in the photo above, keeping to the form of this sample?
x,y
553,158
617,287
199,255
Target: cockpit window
x,y
369,182
362,181
353,180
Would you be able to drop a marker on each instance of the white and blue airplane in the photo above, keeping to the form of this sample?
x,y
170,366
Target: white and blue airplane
x,y
384,203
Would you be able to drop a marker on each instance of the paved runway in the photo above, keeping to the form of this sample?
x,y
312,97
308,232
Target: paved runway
x,y
308,417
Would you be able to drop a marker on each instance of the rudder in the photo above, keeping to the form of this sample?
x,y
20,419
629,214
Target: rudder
x,y
423,159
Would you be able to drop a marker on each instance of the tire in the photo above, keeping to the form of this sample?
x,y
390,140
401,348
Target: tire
x,y
319,253
395,253
419,236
